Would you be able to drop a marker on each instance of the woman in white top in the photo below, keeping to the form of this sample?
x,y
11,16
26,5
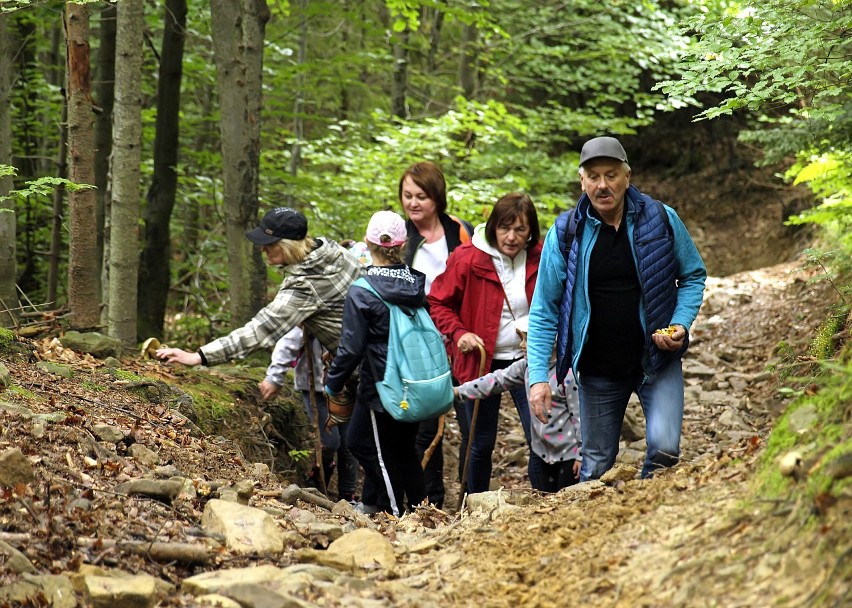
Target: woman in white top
x,y
433,234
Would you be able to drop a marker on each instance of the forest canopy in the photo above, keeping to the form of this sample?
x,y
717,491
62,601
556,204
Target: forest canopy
x,y
244,105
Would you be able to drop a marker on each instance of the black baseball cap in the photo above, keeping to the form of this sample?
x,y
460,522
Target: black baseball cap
x,y
280,223
602,147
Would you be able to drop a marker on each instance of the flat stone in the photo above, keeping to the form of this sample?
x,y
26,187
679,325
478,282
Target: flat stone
x,y
13,408
108,433
218,581
220,601
367,547
143,455
55,368
16,561
247,531
94,343
57,588
15,468
165,490
138,591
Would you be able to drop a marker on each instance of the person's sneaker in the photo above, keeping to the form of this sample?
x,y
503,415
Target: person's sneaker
x,y
365,509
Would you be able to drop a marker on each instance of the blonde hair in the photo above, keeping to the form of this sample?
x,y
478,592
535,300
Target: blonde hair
x,y
387,255
295,251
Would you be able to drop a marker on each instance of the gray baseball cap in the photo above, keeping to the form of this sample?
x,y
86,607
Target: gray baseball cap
x,y
602,147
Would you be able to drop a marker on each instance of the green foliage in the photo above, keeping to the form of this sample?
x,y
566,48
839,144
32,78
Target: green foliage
x,y
43,186
829,176
769,55
7,337
354,170
300,455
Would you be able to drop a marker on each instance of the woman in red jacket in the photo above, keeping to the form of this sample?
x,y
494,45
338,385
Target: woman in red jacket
x,y
487,286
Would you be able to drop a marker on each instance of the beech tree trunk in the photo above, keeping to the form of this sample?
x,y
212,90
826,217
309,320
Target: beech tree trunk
x,y
82,259
8,259
399,88
104,86
468,63
126,159
238,33
154,267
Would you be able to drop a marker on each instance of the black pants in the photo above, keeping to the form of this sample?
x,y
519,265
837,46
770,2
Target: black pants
x,y
551,477
391,466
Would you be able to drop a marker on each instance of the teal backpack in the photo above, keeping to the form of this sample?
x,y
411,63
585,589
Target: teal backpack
x,y
417,384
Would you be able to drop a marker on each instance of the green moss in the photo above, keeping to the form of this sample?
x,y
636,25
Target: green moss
x,y
6,337
828,436
20,390
122,374
93,386
212,401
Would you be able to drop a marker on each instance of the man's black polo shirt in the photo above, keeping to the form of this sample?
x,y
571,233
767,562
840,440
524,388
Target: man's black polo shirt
x,y
615,338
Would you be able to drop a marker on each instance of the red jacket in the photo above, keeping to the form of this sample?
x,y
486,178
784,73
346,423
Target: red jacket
x,y
468,297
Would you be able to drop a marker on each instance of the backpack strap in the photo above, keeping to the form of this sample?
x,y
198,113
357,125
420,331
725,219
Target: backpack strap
x,y
566,230
464,234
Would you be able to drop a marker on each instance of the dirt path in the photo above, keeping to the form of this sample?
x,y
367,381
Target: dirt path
x,y
696,535
685,538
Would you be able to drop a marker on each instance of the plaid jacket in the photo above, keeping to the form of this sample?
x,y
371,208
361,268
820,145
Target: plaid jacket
x,y
312,293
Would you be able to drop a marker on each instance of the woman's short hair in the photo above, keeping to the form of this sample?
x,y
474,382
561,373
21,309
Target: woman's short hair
x,y
295,251
509,208
429,177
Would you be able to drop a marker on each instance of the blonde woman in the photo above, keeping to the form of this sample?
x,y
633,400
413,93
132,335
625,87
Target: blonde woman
x,y
318,273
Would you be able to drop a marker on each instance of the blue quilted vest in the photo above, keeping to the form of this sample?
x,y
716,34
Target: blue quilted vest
x,y
653,247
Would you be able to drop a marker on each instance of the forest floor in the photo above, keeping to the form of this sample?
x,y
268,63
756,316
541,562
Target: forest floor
x,y
699,534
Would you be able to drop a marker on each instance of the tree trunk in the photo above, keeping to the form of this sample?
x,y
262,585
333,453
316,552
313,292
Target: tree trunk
x,y
82,261
8,258
399,88
105,98
469,60
126,159
154,268
299,103
58,200
238,31
432,56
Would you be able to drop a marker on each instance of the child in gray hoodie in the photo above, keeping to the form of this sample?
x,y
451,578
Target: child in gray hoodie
x,y
555,446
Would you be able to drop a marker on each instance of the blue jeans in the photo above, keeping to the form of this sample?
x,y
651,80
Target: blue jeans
x,y
603,402
485,433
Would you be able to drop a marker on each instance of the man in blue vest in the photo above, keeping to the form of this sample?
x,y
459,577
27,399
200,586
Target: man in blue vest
x,y
619,284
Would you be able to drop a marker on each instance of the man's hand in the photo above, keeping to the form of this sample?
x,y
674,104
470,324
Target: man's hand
x,y
576,469
540,400
268,390
176,355
669,341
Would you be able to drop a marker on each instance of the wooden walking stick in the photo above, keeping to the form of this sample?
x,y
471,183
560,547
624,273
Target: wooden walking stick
x,y
427,455
309,353
470,432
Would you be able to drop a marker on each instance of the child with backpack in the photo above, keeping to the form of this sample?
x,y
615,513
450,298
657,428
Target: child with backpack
x,y
555,445
383,445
